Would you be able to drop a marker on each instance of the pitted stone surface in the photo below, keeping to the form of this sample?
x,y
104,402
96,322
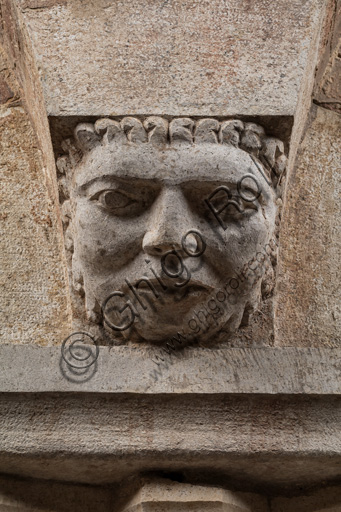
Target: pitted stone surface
x,y
101,438
33,281
264,418
117,370
176,58
308,283
168,496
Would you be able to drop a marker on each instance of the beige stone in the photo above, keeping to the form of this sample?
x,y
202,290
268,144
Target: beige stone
x,y
327,92
324,500
169,95
257,440
205,371
34,294
168,496
308,286
174,58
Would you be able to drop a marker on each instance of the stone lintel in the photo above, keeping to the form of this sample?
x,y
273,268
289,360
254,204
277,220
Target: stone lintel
x,y
269,371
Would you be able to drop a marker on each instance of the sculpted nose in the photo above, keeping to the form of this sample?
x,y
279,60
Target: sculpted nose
x,y
167,223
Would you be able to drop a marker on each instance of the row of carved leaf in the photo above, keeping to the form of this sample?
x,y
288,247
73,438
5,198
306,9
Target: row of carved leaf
x,y
250,137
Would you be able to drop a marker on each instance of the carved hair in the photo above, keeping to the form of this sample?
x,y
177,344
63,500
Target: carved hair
x,y
249,137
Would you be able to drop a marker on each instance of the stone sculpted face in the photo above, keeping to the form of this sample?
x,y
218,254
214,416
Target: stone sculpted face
x,y
165,216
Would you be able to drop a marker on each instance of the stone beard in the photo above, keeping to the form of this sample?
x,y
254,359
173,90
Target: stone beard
x,y
159,216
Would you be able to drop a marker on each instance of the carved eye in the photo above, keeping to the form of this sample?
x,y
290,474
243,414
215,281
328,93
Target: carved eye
x,y
114,201
229,206
225,202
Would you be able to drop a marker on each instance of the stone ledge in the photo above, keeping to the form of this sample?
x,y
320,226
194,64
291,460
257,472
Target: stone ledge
x,y
99,438
272,371
265,416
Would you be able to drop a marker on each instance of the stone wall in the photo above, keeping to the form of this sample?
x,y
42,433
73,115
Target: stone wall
x,y
34,296
198,163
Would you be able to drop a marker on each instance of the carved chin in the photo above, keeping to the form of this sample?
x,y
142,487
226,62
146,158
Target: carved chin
x,y
202,321
195,327
198,323
199,312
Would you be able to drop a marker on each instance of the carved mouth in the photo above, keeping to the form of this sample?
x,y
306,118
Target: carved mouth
x,y
191,293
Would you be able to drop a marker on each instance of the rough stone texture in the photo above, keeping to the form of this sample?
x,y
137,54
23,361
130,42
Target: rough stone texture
x,y
254,442
30,495
252,418
34,295
22,66
169,496
264,421
327,90
5,91
280,371
308,286
18,495
177,58
325,500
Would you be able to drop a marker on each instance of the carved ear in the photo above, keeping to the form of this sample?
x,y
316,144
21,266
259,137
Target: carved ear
x,y
108,129
86,137
206,130
229,132
134,130
157,129
181,131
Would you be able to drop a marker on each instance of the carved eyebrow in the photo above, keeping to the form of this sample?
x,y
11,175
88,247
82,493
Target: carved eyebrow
x,y
183,181
227,181
204,189
113,179
84,186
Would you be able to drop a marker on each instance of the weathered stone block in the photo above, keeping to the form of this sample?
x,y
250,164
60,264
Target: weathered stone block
x,y
176,58
168,496
308,283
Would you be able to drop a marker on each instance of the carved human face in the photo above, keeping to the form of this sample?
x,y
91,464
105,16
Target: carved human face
x,y
133,203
